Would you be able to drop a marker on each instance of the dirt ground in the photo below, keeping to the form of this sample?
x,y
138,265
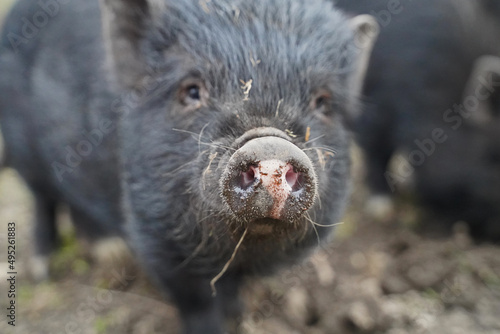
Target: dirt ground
x,y
374,277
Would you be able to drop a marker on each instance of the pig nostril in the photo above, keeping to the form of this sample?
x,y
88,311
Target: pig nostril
x,y
248,177
294,179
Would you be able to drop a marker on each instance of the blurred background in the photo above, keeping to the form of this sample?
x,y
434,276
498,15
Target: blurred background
x,y
420,258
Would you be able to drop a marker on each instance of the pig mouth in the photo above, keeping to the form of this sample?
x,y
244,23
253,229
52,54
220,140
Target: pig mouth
x,y
263,226
275,228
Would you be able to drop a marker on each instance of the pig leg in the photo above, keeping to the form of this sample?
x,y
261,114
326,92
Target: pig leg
x,y
88,227
378,155
105,248
45,235
200,311
377,166
228,298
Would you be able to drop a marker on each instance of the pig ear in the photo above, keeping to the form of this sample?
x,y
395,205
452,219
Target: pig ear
x,y
124,26
481,88
366,30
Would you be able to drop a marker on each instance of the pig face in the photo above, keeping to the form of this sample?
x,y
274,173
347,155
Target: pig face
x,y
243,120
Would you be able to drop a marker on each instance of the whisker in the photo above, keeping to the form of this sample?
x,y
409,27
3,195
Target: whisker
x,y
320,202
308,217
207,170
186,131
330,225
331,150
313,224
196,136
196,251
201,245
199,136
314,139
181,167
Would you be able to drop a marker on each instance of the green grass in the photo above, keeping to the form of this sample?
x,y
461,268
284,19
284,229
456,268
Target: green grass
x,y
432,294
69,256
26,293
102,323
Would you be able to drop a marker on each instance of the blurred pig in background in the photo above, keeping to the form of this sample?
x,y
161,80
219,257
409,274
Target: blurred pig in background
x,y
428,93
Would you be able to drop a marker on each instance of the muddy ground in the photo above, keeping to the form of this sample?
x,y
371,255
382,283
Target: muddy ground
x,y
374,277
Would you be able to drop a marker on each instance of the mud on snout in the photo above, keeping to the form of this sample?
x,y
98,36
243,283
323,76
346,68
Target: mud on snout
x,y
268,179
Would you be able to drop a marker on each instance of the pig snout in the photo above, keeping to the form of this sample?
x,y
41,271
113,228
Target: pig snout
x,y
269,177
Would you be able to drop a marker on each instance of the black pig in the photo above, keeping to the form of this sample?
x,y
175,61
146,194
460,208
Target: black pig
x,y
210,134
415,105
461,181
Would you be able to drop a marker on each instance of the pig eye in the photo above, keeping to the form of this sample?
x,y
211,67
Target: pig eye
x,y
321,101
193,94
